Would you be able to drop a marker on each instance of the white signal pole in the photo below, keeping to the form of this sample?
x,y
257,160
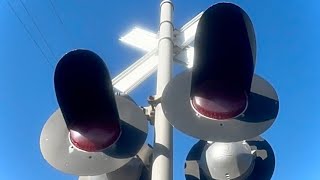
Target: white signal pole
x,y
162,155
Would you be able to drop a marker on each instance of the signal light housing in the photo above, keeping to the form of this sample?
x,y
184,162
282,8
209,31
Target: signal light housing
x,y
262,166
137,168
220,99
223,62
86,99
227,160
91,133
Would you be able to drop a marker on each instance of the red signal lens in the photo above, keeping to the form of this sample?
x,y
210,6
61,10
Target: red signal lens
x,y
93,137
218,102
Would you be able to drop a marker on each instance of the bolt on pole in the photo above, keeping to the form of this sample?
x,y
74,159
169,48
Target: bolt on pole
x,y
162,168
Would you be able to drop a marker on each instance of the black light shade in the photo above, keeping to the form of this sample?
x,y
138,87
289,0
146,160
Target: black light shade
x,y
223,62
85,95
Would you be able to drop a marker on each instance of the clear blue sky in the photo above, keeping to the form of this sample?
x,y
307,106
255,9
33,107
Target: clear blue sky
x,y
287,55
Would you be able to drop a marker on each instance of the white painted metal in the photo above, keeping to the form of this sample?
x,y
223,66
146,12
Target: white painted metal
x,y
59,152
251,123
186,34
147,41
134,75
141,39
99,177
264,162
162,166
136,169
145,66
226,161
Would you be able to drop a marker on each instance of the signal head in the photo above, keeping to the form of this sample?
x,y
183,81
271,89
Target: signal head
x,y
208,160
220,99
86,99
223,62
227,160
92,132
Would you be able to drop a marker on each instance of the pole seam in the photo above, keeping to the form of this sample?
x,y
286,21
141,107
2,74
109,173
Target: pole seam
x,y
166,21
163,38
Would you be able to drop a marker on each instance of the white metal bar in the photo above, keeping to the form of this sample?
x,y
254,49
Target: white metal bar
x,y
145,66
141,39
130,78
187,32
162,155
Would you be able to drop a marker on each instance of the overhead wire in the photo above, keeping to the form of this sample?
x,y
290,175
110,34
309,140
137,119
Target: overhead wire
x,y
67,33
38,29
30,35
55,11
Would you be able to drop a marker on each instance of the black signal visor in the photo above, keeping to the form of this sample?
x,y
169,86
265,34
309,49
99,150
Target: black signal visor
x,y
223,62
85,95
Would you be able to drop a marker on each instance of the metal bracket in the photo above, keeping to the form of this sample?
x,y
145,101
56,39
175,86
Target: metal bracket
x,y
149,111
154,101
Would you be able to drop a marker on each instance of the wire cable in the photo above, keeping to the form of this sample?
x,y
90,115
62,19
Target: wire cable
x,y
29,33
67,33
55,11
41,34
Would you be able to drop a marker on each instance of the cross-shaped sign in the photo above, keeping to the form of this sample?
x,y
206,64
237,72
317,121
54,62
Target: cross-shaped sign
x,y
135,74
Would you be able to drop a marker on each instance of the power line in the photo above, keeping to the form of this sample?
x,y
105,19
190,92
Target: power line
x,y
42,36
67,33
30,35
56,12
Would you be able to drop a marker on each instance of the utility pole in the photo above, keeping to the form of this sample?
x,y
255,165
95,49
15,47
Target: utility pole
x,y
162,157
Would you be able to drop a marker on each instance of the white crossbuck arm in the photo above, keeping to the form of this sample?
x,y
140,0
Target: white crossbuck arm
x,y
135,74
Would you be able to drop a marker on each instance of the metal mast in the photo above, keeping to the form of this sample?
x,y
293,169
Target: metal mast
x,y
162,158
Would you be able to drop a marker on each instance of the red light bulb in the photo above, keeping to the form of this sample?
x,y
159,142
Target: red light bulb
x,y
219,102
94,136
